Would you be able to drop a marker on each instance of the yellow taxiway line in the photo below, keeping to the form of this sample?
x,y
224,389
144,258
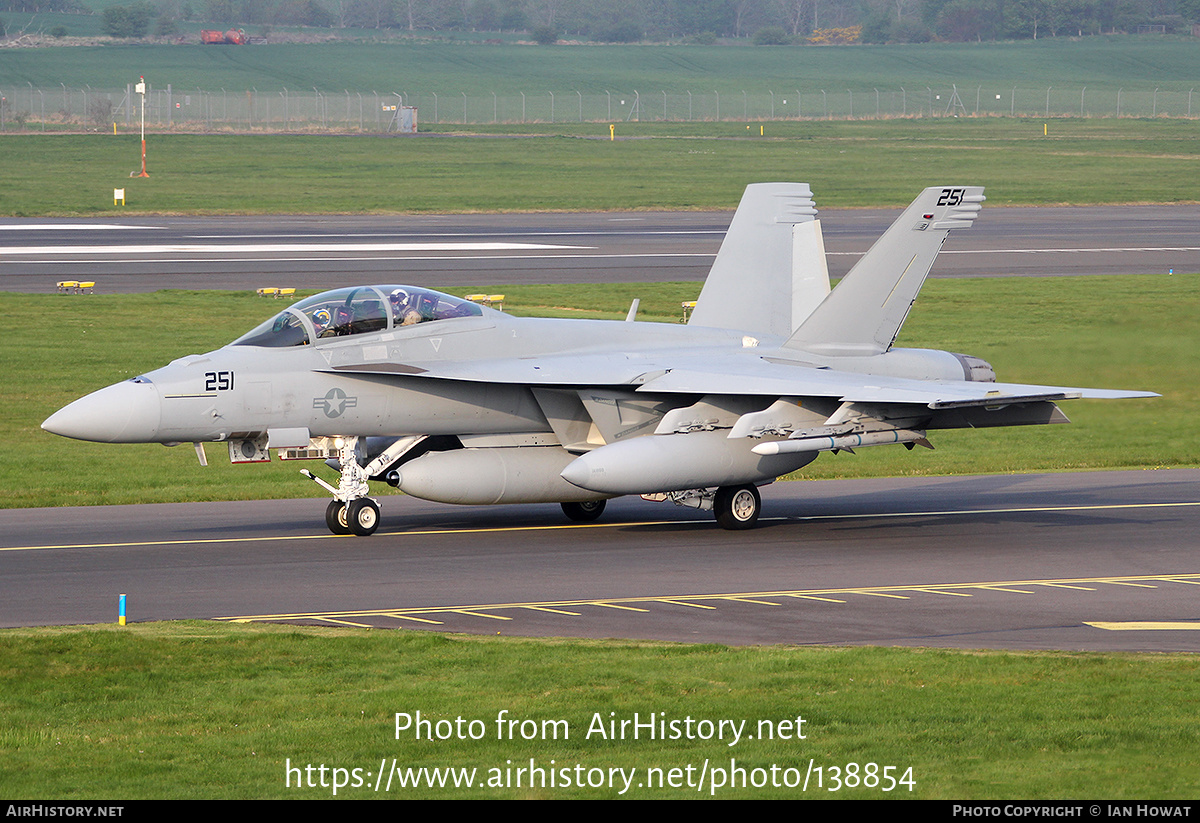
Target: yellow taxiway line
x,y
612,525
705,601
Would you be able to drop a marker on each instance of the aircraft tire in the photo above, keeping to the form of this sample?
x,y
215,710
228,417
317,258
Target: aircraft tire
x,y
584,512
737,507
335,517
363,516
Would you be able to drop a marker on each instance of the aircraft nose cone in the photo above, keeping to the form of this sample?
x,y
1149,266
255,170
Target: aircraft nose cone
x,y
122,413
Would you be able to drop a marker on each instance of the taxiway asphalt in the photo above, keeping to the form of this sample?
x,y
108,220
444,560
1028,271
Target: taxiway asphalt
x,y
1093,561
477,251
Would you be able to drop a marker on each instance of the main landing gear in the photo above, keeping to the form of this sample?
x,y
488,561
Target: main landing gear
x,y
737,507
584,512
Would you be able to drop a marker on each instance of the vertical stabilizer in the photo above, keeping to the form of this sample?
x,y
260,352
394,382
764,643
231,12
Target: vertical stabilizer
x,y
863,315
810,275
770,271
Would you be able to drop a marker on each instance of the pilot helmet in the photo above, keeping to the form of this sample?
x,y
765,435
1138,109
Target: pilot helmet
x,y
399,298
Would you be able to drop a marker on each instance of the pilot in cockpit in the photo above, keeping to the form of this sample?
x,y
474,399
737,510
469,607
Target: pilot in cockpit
x,y
404,308
343,321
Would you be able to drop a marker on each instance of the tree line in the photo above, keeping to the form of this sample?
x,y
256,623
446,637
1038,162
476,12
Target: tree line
x,y
766,22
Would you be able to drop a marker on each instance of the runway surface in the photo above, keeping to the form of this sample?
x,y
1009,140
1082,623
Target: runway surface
x,y
472,251
1102,560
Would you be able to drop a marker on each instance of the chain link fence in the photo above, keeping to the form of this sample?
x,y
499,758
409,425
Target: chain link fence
x,y
250,110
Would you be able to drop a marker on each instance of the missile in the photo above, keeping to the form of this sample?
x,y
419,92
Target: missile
x,y
677,462
846,441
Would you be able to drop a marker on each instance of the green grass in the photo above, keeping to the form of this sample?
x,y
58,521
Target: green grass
x,y
698,166
1100,63
1133,332
198,710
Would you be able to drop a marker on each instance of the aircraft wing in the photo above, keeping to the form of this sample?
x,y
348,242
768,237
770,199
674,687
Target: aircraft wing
x,y
768,379
722,374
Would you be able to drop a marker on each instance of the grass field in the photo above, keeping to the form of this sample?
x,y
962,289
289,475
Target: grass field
x,y
197,710
449,69
676,166
1117,332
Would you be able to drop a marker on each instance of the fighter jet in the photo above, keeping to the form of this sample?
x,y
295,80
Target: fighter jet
x,y
452,401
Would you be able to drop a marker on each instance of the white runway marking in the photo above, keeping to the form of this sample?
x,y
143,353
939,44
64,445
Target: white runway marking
x,y
71,227
261,248
1049,251
574,233
1074,251
341,258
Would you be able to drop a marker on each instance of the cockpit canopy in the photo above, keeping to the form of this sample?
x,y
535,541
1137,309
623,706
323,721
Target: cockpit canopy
x,y
356,310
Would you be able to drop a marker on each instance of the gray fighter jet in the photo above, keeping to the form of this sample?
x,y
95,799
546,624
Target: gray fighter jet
x,y
452,401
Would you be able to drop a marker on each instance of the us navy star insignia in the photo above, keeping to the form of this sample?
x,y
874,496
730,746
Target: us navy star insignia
x,y
334,403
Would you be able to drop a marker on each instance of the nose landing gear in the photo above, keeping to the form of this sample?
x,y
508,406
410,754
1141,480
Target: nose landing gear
x,y
351,511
